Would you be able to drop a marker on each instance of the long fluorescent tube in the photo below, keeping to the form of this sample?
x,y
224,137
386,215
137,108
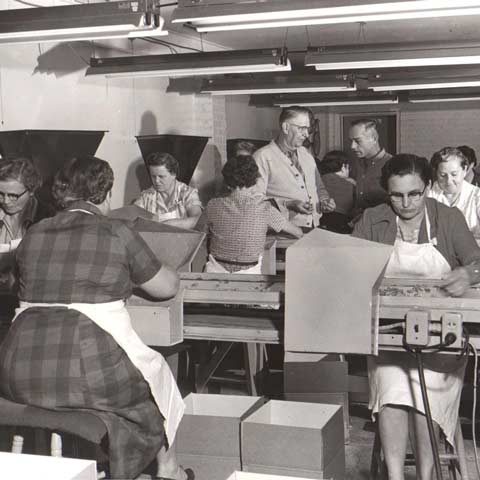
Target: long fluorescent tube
x,y
332,103
129,19
393,55
188,64
285,13
422,85
444,98
258,88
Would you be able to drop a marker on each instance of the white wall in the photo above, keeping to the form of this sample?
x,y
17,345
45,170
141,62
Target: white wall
x,y
44,87
244,121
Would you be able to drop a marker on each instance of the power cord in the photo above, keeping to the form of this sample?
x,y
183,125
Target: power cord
x,y
474,407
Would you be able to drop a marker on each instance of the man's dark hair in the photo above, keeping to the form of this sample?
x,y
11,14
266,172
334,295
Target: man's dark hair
x,y
469,153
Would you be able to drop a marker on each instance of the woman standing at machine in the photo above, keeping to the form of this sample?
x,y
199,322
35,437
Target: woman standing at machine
x,y
429,240
171,201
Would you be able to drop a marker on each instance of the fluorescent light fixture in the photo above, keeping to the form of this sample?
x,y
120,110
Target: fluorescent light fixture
x,y
393,55
259,88
339,102
209,16
444,98
95,21
188,64
392,85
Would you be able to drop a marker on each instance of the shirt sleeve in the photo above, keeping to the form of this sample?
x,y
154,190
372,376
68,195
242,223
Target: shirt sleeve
x,y
264,171
142,262
192,199
464,244
140,202
321,189
362,228
276,221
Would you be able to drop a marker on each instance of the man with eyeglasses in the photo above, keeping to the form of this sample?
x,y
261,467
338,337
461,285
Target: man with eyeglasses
x,y
371,157
288,172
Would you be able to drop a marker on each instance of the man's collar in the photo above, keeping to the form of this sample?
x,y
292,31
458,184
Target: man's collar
x,y
280,141
380,153
83,205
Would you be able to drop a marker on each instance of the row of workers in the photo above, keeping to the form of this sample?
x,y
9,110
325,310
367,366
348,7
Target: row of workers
x,y
75,270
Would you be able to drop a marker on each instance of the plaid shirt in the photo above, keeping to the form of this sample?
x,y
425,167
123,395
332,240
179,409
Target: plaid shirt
x,y
76,257
58,358
237,226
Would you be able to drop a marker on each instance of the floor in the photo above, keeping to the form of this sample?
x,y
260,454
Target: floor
x,y
362,430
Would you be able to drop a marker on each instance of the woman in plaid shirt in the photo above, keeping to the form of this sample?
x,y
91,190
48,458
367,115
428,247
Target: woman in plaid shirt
x,y
71,344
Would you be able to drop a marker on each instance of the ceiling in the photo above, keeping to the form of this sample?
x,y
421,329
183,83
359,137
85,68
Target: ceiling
x,y
298,39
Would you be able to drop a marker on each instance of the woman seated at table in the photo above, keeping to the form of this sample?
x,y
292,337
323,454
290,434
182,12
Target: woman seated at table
x,y
450,167
71,345
170,200
429,240
237,222
19,208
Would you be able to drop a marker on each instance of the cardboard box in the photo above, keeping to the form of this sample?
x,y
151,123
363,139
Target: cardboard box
x,y
208,439
174,246
259,476
157,323
296,439
20,465
334,306
317,378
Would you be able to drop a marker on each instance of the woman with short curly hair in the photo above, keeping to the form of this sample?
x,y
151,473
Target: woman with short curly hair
x,y
237,222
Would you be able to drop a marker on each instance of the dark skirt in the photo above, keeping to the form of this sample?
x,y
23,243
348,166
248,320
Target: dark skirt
x,y
58,358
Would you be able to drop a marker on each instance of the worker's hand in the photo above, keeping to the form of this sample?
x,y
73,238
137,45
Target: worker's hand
x,y
457,282
300,206
328,205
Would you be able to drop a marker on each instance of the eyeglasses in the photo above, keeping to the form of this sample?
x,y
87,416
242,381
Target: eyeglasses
x,y
13,197
414,196
302,128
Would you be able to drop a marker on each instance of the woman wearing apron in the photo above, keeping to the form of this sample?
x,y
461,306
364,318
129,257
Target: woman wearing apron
x,y
71,344
430,240
170,200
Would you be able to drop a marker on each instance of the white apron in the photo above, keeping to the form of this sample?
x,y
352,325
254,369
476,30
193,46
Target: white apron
x,y
212,266
393,376
113,318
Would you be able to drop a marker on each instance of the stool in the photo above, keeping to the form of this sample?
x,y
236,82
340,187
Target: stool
x,y
79,423
455,459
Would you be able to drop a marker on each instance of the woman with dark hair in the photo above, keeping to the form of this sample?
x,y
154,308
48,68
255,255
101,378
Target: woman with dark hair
x,y
170,200
19,208
334,169
429,240
76,269
238,221
450,167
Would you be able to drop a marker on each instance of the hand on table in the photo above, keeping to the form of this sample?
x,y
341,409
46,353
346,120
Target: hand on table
x,y
457,282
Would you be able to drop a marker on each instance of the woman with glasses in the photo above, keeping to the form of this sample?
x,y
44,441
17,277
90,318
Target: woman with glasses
x,y
451,188
431,241
19,207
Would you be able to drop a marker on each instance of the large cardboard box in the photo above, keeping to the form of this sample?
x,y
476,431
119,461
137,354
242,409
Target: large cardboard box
x,y
296,439
317,378
208,439
158,324
23,466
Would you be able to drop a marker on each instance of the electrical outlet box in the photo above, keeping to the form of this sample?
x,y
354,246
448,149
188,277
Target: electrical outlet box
x,y
417,328
452,329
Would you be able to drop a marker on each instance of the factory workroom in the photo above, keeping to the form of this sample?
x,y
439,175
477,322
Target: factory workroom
x,y
239,239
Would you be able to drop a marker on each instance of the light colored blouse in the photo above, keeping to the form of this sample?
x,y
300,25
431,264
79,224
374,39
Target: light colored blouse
x,y
182,198
468,202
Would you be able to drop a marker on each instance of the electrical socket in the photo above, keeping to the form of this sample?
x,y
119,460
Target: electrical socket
x,y
452,324
417,326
